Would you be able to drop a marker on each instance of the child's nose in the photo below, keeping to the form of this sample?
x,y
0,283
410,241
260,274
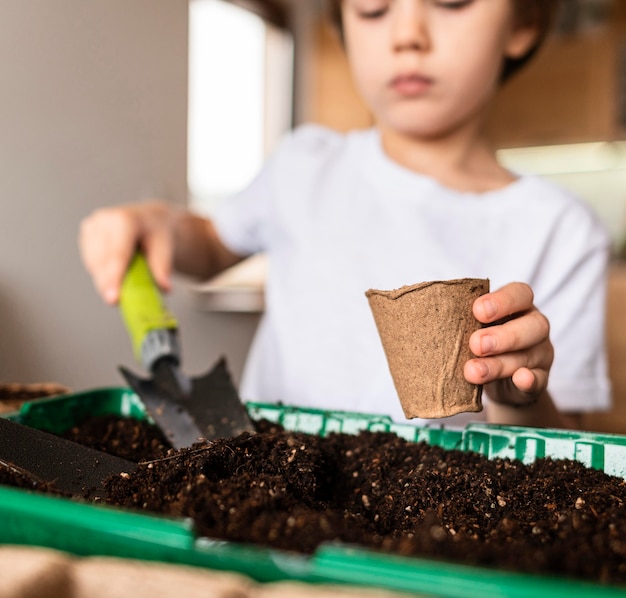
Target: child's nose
x,y
410,26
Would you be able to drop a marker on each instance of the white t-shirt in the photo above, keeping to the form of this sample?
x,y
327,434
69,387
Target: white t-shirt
x,y
337,217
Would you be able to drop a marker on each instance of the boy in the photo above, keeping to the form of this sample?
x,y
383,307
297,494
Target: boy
x,y
418,197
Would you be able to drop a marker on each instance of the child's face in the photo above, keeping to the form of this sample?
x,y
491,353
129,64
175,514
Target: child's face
x,y
428,67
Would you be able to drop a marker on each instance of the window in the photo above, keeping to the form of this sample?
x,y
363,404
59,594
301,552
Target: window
x,y
240,97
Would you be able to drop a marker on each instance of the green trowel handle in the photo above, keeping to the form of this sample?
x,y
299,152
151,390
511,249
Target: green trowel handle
x,y
141,304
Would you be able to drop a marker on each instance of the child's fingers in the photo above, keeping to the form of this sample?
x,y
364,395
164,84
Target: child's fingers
x,y
530,381
511,299
523,388
158,248
109,238
517,334
106,243
514,355
108,278
488,369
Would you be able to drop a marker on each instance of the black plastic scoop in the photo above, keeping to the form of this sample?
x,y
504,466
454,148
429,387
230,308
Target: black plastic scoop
x,y
185,409
71,467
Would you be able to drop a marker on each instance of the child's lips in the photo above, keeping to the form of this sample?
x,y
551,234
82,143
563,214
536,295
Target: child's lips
x,y
411,84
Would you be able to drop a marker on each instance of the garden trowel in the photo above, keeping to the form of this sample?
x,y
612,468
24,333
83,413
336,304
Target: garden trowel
x,y
185,409
45,458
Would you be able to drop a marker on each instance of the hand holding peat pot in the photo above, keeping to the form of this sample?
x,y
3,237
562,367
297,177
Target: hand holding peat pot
x,y
442,344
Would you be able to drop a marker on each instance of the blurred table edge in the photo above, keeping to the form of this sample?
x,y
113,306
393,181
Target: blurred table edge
x,y
237,289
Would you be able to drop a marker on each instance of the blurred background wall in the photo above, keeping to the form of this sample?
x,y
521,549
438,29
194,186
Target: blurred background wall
x,y
93,111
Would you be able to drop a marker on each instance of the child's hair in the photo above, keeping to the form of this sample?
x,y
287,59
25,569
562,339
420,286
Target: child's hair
x,y
528,13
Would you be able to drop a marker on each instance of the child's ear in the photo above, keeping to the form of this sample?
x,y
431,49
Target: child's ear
x,y
521,41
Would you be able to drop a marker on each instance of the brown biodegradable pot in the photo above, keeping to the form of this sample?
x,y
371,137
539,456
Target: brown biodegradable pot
x,y
425,330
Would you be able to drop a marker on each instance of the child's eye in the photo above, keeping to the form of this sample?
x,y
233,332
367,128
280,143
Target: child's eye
x,y
370,9
454,4
373,14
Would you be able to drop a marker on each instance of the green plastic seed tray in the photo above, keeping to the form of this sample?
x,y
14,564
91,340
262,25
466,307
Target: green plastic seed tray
x,y
30,518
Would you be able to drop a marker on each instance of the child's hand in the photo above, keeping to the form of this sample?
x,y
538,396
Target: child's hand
x,y
513,352
110,236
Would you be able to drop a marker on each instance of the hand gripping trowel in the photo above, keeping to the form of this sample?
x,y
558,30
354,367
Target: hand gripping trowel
x,y
185,409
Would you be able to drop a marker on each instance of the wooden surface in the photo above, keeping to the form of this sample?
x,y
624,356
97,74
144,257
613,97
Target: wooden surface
x,y
568,94
615,419
237,289
336,102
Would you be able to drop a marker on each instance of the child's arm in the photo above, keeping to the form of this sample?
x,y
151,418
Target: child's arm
x,y
513,358
170,237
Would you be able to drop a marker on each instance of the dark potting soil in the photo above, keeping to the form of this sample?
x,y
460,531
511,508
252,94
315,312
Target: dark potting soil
x,y
293,491
123,437
14,476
